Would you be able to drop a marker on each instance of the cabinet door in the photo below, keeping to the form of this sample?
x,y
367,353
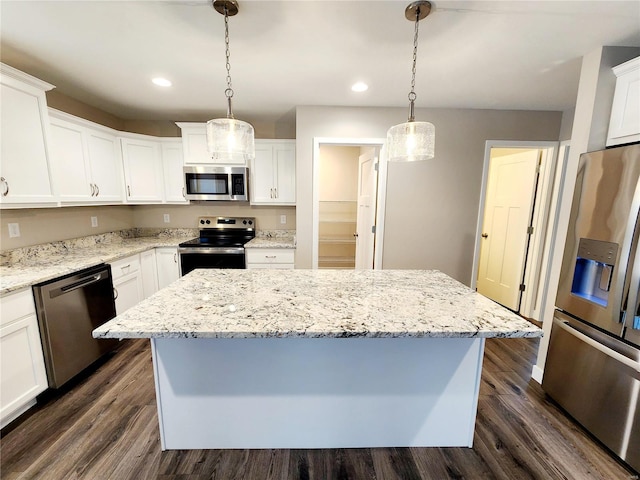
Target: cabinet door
x,y
143,170
22,370
167,261
106,166
172,161
149,273
72,177
129,291
195,146
261,182
285,165
24,125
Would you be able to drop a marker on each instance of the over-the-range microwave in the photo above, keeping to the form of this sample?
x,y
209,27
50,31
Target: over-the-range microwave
x,y
216,183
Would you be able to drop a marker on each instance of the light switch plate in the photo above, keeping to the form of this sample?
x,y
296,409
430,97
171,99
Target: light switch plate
x,y
283,219
167,218
94,221
14,230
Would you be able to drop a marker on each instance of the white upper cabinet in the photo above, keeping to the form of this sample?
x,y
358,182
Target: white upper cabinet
x,y
194,144
143,171
86,161
25,174
172,163
273,173
624,125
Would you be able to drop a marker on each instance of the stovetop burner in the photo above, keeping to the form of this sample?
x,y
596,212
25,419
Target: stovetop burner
x,y
223,232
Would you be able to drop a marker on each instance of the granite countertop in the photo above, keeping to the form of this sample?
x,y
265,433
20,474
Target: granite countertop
x,y
272,242
316,303
49,263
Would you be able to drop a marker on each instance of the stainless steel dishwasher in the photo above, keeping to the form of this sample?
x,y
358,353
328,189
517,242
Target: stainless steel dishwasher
x,y
68,309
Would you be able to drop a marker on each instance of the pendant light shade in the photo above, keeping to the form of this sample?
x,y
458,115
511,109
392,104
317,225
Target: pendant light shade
x,y
412,141
229,140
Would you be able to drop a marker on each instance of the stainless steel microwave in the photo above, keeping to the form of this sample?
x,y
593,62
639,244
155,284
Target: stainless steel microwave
x,y
216,183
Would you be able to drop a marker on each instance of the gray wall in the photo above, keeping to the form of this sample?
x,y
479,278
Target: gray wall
x,y
437,200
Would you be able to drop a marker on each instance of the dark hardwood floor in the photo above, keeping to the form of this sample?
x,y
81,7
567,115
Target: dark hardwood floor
x,y
105,427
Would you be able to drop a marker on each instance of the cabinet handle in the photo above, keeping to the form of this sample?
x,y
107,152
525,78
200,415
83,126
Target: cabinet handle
x,y
93,189
269,256
126,266
175,258
128,190
271,192
183,193
276,192
115,293
6,186
97,189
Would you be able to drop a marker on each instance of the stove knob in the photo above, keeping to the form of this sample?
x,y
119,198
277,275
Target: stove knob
x,y
201,222
250,222
208,222
244,222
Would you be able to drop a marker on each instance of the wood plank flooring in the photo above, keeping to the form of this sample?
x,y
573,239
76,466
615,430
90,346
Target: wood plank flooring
x,y
105,426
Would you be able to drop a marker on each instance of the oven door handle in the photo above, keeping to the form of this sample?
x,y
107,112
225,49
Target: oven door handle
x,y
211,250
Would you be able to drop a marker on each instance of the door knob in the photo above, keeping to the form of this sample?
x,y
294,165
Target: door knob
x,y
485,235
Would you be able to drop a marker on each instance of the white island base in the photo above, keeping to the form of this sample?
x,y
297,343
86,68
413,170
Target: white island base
x,y
316,392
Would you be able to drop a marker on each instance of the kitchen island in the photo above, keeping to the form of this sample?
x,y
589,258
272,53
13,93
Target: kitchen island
x,y
316,358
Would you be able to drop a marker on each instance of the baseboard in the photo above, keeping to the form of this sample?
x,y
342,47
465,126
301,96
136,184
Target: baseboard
x,y
537,373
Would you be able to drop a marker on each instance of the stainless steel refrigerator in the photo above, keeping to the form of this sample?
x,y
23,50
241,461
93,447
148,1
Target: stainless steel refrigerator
x,y
593,362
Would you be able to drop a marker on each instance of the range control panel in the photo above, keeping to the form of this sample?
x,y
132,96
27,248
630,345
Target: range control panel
x,y
227,222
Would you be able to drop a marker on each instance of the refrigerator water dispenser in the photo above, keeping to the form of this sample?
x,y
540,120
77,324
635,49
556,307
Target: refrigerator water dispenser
x,y
593,273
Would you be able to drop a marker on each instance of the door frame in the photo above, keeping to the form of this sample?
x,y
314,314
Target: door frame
x,y
538,248
380,195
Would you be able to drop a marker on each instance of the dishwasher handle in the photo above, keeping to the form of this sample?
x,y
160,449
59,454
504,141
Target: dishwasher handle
x,y
83,282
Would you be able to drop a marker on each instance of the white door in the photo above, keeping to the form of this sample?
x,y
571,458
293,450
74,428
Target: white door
x,y
366,215
507,215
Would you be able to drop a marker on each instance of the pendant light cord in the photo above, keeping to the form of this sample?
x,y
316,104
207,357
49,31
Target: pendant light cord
x,y
229,91
412,94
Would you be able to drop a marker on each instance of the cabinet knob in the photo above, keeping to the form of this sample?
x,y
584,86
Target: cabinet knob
x,y
485,235
6,186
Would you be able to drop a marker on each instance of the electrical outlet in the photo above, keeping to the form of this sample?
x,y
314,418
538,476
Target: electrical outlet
x,y
167,218
94,221
283,219
14,230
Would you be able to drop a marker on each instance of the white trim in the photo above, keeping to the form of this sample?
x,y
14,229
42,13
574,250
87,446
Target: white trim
x,y
382,188
537,373
550,148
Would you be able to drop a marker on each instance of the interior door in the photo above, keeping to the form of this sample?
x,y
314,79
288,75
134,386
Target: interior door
x,y
366,215
507,215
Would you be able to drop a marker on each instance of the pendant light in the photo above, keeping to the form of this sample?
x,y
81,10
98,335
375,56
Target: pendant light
x,y
412,141
229,140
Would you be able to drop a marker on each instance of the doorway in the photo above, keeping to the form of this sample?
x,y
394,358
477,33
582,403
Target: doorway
x,y
515,204
348,203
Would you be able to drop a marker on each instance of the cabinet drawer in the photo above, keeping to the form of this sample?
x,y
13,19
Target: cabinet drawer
x,y
16,305
125,266
270,255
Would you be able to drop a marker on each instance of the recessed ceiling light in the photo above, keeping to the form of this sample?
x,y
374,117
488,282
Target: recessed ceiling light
x,y
162,82
359,87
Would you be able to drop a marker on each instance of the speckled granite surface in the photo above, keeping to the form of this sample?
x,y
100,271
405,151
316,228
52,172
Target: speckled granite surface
x,y
316,303
273,239
24,267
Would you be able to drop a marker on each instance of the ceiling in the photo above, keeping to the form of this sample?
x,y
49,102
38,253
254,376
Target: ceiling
x,y
472,54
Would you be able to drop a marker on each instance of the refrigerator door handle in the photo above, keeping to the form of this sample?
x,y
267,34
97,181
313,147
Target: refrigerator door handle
x,y
583,335
630,310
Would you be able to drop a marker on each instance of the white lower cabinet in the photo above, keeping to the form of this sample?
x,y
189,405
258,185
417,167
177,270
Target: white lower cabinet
x,y
22,371
127,283
167,261
275,258
149,272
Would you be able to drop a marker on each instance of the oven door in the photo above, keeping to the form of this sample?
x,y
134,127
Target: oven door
x,y
205,257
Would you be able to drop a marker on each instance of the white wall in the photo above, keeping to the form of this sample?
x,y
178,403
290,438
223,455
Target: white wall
x,y
436,201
